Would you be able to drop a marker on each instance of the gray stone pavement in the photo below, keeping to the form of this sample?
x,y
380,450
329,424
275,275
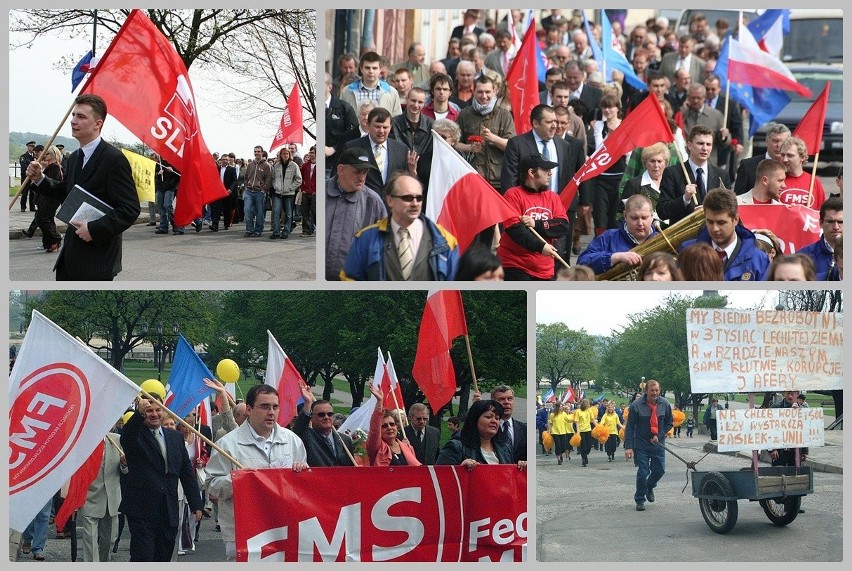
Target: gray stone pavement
x,y
204,256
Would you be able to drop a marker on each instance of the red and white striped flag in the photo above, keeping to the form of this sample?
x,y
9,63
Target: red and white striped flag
x,y
63,400
283,375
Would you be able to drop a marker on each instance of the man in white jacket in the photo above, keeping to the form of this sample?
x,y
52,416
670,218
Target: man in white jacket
x,y
258,443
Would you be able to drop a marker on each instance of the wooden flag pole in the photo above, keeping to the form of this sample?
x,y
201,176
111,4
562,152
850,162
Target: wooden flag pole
x,y
343,444
558,257
813,180
470,358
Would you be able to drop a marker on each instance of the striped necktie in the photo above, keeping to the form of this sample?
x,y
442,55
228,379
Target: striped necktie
x,y
406,258
379,153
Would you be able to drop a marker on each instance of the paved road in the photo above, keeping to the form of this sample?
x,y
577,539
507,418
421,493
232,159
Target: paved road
x,y
223,256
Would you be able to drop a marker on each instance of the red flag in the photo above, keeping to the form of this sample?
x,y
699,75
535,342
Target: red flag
x,y
78,486
811,126
290,130
522,81
283,375
443,321
795,225
644,126
146,87
460,200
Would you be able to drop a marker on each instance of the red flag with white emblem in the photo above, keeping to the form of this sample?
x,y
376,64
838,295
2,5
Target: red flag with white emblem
x,y
522,81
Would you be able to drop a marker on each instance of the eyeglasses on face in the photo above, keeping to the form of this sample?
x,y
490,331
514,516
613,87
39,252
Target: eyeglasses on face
x,y
409,197
323,414
389,425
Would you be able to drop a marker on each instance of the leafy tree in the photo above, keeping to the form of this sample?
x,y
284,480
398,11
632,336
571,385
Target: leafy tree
x,y
116,316
563,354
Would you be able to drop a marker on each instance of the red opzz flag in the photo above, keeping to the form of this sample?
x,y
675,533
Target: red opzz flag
x,y
644,126
811,126
443,321
146,87
522,81
290,130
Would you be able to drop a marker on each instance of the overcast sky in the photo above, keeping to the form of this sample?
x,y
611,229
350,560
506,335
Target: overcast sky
x,y
600,312
40,95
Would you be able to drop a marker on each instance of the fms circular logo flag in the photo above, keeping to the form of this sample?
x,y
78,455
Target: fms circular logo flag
x,y
45,422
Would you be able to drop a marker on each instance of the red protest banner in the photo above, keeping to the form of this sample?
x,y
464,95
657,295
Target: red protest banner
x,y
425,513
796,226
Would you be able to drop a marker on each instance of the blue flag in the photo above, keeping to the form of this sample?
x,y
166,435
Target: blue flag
x,y
80,70
763,104
186,386
615,59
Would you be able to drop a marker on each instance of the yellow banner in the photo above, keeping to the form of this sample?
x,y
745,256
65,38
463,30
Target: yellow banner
x,y
143,175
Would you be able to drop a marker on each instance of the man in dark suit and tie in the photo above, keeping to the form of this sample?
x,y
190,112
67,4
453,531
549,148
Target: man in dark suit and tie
x,y
515,430
566,151
315,426
776,134
588,94
470,18
387,155
156,461
92,250
678,195
424,439
224,207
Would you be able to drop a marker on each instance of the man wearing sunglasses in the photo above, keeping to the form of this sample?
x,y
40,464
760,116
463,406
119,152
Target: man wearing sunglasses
x,y
406,246
315,426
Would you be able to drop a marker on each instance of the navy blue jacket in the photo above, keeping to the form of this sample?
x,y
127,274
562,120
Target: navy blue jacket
x,y
822,257
749,263
598,255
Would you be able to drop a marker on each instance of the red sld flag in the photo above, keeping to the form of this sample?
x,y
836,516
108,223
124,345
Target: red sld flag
x,y
443,321
522,81
78,486
644,126
146,87
811,126
290,130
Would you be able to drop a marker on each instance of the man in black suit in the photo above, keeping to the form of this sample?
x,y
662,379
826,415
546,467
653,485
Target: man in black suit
x,y
514,430
315,426
679,195
92,250
424,439
588,94
387,155
470,18
776,133
156,461
224,207
567,152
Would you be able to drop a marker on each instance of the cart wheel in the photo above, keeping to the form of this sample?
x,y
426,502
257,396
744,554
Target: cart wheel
x,y
720,515
782,511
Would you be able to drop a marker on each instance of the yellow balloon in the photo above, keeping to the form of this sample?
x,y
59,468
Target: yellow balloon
x,y
154,387
228,371
126,416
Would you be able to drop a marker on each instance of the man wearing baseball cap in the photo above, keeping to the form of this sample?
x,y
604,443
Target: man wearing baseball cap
x,y
525,256
349,206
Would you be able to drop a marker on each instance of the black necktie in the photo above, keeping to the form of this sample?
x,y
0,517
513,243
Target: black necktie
x,y
699,182
506,431
79,168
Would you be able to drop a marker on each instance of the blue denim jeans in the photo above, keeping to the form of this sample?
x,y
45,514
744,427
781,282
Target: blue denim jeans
x,y
254,212
651,464
287,203
36,532
165,204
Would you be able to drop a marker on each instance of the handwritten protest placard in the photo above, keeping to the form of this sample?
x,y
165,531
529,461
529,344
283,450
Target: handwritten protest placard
x,y
741,351
769,428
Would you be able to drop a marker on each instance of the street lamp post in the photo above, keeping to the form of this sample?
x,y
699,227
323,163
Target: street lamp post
x,y
159,345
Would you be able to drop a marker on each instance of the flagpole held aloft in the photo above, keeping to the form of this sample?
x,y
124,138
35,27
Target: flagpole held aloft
x,y
192,428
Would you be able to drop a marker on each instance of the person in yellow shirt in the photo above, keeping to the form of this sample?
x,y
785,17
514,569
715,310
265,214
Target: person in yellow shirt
x,y
585,419
560,425
613,423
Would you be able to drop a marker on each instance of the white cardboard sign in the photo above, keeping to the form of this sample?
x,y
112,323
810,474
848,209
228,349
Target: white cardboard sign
x,y
769,428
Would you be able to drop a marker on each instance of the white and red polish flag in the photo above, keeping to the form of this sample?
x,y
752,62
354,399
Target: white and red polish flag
x,y
749,64
63,399
359,419
282,374
459,199
290,130
391,390
443,321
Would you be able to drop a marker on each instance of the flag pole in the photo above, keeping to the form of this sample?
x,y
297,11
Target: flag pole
x,y
813,179
470,358
192,428
345,448
558,257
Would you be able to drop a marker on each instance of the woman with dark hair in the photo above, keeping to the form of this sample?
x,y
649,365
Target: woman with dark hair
x,y
383,446
792,268
699,262
481,441
479,264
659,267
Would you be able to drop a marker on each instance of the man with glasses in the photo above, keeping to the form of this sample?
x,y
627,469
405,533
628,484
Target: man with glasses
x,y
260,442
406,246
425,439
822,251
315,426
